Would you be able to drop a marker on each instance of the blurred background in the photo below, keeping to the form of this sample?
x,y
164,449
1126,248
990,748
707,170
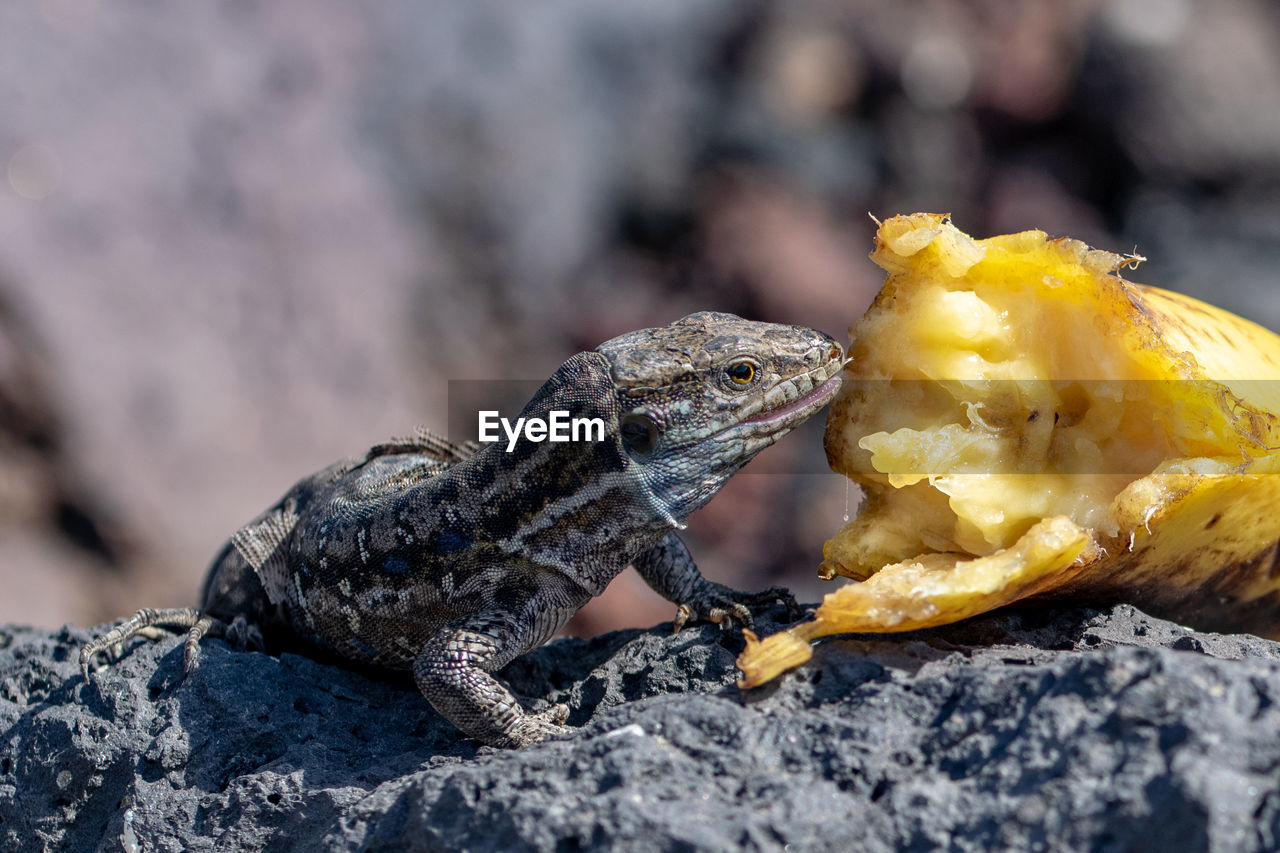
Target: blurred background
x,y
240,240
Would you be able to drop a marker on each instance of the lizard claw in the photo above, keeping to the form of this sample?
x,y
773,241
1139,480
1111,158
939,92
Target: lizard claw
x,y
722,616
87,654
724,606
535,728
725,616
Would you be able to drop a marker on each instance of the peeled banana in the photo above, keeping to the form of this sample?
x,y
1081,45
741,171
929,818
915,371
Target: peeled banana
x,y
1025,422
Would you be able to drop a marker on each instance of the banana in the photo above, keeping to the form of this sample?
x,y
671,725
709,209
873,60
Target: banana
x,y
1026,423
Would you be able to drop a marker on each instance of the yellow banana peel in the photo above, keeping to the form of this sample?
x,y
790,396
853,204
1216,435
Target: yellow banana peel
x,y
1026,423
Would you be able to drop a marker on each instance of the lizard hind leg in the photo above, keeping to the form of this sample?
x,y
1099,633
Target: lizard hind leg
x,y
146,623
452,672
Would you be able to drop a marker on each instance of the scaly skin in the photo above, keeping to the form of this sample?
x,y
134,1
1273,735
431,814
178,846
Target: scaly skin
x,y
452,560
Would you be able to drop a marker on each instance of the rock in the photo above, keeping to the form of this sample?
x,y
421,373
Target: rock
x,y
1028,729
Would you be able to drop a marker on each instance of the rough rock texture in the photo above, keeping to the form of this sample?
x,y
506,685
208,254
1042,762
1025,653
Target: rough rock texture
x,y
1048,729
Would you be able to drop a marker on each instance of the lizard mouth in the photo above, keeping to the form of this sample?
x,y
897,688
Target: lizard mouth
x,y
806,404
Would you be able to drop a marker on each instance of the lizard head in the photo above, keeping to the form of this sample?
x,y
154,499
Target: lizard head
x,y
700,397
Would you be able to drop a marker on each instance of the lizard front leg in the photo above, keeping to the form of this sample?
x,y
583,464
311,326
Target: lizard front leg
x,y
669,568
453,672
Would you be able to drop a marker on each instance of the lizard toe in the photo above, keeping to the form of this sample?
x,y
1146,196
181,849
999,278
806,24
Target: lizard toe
x,y
742,613
725,606
87,653
536,728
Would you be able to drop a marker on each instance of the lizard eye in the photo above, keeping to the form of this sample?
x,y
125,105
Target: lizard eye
x,y
742,372
639,433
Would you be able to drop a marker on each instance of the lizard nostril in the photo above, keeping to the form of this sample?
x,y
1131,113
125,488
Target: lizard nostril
x,y
834,352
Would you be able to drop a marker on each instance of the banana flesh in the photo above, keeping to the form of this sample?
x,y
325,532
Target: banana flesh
x,y
1026,423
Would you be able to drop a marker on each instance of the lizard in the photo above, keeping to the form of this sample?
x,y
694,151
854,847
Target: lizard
x,y
452,559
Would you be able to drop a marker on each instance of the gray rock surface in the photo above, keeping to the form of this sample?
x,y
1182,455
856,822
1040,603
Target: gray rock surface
x,y
1030,729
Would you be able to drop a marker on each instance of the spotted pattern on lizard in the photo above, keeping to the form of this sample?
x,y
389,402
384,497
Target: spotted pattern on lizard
x,y
450,560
